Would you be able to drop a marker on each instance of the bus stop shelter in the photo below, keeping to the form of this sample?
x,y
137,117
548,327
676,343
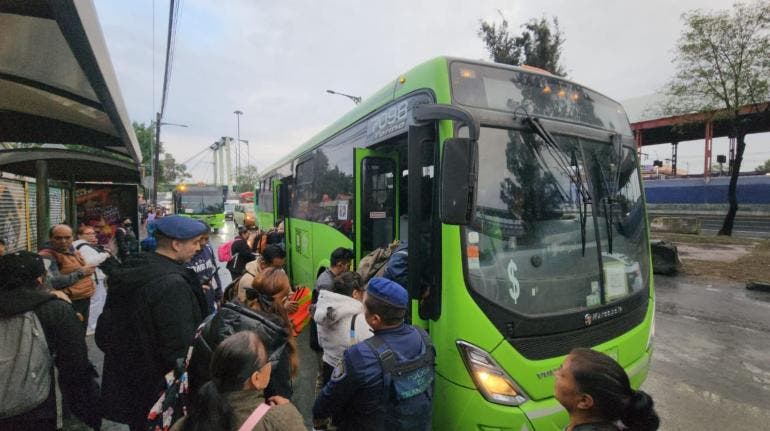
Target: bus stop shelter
x,y
58,86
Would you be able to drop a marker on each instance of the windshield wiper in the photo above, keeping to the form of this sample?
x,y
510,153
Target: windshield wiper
x,y
564,164
611,187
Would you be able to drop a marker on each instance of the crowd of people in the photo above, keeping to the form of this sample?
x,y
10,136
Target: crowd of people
x,y
234,346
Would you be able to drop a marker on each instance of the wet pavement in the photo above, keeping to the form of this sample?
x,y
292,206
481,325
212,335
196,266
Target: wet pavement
x,y
711,365
710,368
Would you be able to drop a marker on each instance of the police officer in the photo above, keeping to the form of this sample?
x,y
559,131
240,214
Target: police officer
x,y
385,382
153,306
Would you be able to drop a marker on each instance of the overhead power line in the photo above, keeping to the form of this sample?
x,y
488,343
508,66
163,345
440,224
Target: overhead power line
x,y
173,19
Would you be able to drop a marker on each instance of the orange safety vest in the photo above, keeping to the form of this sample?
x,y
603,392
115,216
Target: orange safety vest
x,y
69,263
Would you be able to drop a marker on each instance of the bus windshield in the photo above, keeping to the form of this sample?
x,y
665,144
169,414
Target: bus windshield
x,y
202,202
532,246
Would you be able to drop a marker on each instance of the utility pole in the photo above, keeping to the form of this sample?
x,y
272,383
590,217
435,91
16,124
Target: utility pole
x,y
155,160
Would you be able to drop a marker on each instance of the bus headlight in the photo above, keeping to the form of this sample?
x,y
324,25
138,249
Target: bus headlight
x,y
490,379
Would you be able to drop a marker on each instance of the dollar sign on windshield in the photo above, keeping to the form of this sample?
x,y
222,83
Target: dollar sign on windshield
x,y
515,290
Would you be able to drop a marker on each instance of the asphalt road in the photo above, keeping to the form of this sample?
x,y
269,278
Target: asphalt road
x,y
710,369
711,365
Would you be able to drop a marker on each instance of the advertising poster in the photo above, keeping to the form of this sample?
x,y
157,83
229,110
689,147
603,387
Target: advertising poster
x,y
105,206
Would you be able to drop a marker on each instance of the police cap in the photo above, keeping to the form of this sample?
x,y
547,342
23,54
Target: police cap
x,y
388,291
179,227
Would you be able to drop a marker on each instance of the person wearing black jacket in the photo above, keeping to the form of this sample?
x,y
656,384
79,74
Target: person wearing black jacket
x,y
241,251
153,307
22,290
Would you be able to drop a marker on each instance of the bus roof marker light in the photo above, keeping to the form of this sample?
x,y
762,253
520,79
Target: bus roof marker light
x,y
562,93
490,379
547,89
468,73
402,80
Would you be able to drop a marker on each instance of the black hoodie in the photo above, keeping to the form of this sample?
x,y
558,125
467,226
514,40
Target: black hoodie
x,y
153,307
63,333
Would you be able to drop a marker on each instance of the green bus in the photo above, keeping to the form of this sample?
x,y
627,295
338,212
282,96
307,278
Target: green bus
x,y
204,203
520,196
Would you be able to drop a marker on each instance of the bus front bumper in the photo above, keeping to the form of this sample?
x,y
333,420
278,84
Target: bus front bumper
x,y
461,408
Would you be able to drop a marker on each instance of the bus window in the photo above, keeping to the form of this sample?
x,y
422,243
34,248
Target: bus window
x,y
379,206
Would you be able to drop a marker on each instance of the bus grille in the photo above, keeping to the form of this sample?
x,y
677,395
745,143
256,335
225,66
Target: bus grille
x,y
549,346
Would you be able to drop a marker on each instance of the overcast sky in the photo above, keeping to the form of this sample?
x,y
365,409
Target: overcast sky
x,y
273,60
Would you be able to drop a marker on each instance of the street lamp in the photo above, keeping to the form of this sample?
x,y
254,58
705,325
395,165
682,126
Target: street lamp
x,y
156,155
355,99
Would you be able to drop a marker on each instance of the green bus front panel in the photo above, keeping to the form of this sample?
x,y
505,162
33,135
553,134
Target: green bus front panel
x,y
458,403
216,221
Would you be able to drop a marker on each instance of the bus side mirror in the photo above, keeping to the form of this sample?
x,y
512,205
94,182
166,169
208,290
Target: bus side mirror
x,y
459,180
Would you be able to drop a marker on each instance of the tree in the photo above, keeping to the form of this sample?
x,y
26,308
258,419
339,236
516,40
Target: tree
x,y
538,45
171,172
146,137
246,178
723,64
763,169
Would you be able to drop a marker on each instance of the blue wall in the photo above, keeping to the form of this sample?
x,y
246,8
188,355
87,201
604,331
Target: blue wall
x,y
751,189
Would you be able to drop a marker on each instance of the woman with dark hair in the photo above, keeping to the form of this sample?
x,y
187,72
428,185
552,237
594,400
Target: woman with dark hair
x,y
267,294
596,392
233,399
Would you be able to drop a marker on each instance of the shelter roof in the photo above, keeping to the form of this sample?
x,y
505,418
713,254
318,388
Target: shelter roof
x,y
56,78
65,165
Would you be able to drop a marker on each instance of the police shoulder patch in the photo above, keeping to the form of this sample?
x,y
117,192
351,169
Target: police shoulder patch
x,y
339,371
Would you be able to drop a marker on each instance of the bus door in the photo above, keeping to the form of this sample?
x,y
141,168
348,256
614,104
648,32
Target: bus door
x,y
376,200
281,205
276,188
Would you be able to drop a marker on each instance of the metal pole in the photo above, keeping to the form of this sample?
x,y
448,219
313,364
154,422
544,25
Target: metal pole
x,y
42,200
155,160
221,149
214,150
72,214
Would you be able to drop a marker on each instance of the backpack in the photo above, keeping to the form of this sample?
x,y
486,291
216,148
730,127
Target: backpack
x,y
374,264
231,318
174,401
25,364
408,385
224,251
398,265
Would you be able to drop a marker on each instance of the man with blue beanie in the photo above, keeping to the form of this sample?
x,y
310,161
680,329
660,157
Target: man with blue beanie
x,y
385,382
154,304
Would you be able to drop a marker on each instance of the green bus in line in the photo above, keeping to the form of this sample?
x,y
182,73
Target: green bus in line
x,y
204,203
520,196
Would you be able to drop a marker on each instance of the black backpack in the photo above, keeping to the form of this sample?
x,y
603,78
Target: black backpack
x,y
408,385
231,318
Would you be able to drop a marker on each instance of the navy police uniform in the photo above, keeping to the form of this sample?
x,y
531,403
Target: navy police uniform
x,y
356,397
